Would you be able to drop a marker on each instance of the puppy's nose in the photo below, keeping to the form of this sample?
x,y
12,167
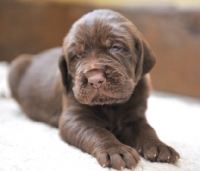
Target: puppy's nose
x,y
96,80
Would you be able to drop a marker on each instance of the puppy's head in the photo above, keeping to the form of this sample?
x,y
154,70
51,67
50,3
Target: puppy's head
x,y
105,56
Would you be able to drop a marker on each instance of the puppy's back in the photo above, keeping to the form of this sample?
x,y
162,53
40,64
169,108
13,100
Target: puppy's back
x,y
35,84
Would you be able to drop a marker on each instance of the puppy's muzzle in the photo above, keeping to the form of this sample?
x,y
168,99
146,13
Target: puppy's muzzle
x,y
96,79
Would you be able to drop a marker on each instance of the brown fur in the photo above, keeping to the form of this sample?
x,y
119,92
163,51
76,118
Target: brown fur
x,y
103,49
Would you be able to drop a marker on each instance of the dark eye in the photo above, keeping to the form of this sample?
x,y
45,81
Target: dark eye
x,y
115,48
76,56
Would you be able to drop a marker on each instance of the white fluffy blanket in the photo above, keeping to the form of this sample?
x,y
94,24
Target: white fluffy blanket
x,y
26,145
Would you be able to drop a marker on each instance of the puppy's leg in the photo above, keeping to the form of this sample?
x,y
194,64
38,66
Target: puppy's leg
x,y
150,147
17,69
143,137
79,129
35,84
139,134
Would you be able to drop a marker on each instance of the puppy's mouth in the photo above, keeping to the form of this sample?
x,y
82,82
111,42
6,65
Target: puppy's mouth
x,y
103,97
100,96
98,89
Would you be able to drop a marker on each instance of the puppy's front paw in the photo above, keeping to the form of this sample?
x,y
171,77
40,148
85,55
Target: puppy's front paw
x,y
117,157
158,152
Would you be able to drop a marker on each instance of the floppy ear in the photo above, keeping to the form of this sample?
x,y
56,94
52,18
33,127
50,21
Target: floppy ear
x,y
146,57
66,78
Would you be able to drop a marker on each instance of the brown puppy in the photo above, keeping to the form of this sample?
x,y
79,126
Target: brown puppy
x,y
99,98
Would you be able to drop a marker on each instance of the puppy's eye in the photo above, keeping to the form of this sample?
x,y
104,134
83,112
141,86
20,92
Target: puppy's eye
x,y
76,56
115,48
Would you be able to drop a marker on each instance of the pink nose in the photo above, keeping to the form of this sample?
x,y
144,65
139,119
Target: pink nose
x,y
96,80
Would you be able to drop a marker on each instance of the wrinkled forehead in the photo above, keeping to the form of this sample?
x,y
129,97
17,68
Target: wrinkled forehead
x,y
101,27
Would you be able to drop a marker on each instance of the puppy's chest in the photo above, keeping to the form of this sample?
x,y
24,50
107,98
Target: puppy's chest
x,y
112,118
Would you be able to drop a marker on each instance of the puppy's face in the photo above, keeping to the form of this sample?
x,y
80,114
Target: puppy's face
x,y
105,57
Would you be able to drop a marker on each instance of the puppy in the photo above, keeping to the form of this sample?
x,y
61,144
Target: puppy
x,y
95,90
